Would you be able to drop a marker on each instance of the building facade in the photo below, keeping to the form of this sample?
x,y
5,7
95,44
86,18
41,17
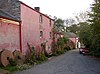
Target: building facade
x,y
9,32
36,27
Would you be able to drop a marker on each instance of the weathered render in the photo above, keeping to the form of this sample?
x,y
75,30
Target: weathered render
x,y
35,28
9,32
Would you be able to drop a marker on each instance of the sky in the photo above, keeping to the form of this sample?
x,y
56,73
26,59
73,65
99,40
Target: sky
x,y
60,8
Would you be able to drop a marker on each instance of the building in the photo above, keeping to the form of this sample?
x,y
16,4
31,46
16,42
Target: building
x,y
36,27
72,37
57,35
9,32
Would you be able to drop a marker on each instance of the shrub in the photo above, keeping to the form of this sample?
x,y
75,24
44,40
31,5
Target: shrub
x,y
10,69
23,66
59,47
31,57
54,48
41,57
65,40
12,62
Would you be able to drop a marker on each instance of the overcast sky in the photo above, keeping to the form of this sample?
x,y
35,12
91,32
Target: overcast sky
x,y
60,8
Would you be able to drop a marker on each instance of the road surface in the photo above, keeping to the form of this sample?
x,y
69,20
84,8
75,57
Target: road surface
x,y
69,63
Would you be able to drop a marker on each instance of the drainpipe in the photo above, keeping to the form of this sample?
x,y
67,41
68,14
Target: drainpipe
x,y
20,36
75,43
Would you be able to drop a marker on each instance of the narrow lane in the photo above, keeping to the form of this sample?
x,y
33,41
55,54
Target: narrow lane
x,y
69,63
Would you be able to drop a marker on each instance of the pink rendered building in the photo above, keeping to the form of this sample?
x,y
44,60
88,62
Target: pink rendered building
x,y
34,29
9,32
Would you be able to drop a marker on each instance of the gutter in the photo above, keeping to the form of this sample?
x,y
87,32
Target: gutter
x,y
20,36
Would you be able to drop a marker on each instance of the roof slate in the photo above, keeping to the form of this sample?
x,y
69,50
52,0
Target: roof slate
x,y
7,15
70,35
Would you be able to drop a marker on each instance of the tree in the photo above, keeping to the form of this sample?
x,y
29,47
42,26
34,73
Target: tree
x,y
73,25
85,34
59,25
82,16
69,21
73,28
95,26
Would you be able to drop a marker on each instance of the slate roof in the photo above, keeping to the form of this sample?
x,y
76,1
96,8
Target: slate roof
x,y
70,35
7,16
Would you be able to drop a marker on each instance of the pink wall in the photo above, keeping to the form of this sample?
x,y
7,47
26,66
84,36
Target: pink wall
x,y
9,36
73,39
31,28
57,36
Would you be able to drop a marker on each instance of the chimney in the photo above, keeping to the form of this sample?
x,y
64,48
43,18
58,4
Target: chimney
x,y
37,8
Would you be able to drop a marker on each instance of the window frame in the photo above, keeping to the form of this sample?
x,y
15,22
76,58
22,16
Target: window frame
x,y
40,18
41,34
50,34
50,22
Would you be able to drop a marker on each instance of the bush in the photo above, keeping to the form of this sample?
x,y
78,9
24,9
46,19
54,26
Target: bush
x,y
41,57
59,47
31,58
59,52
23,67
12,62
65,40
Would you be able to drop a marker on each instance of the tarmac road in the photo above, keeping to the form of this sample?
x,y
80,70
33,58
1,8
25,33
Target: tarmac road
x,y
69,63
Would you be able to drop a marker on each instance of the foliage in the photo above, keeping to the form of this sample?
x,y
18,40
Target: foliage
x,y
60,43
65,39
82,16
17,67
69,21
54,48
73,28
85,34
61,46
31,57
12,62
10,68
90,33
43,45
70,44
59,25
41,57
95,26
73,25
23,66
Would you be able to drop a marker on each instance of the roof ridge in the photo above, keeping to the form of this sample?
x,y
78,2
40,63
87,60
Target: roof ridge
x,y
35,10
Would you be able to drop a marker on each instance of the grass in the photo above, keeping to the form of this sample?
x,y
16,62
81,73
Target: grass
x,y
10,68
21,67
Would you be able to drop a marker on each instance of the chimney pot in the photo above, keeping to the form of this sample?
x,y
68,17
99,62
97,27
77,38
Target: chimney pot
x,y
37,8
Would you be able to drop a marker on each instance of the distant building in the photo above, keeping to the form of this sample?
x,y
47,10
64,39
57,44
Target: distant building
x,y
73,37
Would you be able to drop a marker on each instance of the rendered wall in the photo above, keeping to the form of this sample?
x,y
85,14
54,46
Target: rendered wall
x,y
9,36
31,28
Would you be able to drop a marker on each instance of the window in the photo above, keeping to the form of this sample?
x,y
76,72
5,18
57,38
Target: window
x,y
40,19
50,22
41,34
50,35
